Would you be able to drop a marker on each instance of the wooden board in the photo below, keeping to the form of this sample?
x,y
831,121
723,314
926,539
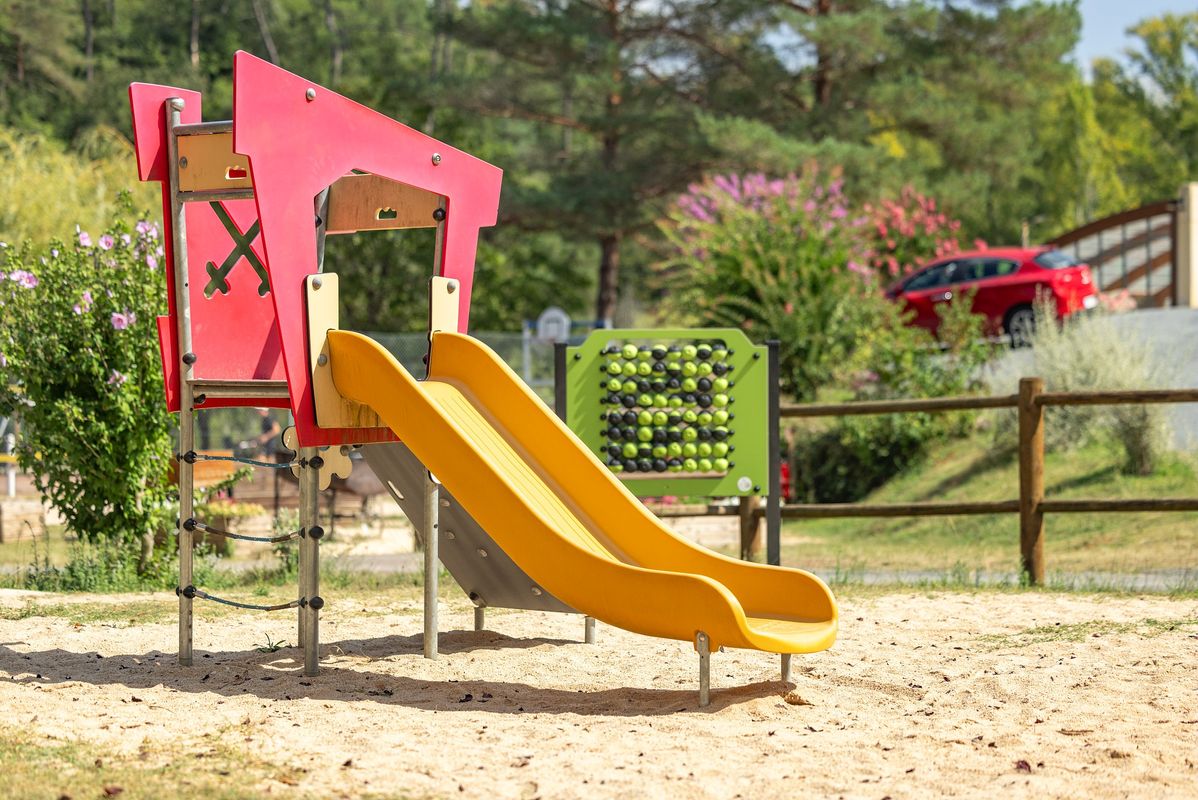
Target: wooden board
x,y
207,163
332,410
374,203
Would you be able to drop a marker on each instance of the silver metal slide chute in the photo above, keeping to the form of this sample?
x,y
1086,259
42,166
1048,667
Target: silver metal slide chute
x,y
484,571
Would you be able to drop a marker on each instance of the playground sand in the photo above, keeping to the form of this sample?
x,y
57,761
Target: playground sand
x,y
925,695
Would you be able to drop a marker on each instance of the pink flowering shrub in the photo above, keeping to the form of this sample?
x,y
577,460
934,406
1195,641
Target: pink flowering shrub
x,y
783,258
906,233
79,366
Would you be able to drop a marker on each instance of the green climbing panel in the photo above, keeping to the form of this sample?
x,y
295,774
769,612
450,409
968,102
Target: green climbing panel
x,y
673,411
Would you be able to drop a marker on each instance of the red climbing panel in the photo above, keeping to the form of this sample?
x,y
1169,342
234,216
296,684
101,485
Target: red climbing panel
x,y
300,138
234,335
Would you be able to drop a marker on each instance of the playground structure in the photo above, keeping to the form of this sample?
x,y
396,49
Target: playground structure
x,y
519,510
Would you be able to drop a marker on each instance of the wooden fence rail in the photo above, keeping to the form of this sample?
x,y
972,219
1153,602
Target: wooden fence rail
x,y
1031,505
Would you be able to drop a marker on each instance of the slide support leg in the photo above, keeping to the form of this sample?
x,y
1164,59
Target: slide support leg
x,y
432,537
480,618
703,645
309,560
588,627
786,667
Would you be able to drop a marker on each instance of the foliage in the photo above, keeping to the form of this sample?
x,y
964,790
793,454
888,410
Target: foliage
x,y
79,363
859,453
907,232
782,259
1093,353
48,188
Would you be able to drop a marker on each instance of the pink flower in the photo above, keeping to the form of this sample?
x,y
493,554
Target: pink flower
x,y
151,262
120,321
85,239
126,239
3,360
116,378
23,278
839,212
147,229
106,242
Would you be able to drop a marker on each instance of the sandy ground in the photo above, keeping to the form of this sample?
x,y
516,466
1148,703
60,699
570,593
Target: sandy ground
x,y
947,695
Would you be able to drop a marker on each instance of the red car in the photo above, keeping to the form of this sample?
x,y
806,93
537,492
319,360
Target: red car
x,y
1007,281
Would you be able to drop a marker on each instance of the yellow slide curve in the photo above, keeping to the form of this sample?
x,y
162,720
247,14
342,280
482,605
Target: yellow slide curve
x,y
562,516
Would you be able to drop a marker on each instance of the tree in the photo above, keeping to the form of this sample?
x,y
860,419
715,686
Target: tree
x,y
600,100
1152,104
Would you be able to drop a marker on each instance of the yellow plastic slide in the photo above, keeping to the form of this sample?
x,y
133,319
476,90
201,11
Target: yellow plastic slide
x,y
562,516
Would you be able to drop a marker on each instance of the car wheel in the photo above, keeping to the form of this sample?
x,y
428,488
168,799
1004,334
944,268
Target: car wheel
x,y
1021,326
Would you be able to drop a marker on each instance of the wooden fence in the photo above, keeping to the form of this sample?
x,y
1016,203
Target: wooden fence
x,y
1031,504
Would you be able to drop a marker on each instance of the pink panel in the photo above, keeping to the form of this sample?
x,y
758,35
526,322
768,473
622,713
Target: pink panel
x,y
233,332
297,146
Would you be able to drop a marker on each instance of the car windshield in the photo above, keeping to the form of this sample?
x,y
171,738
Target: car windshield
x,y
1055,259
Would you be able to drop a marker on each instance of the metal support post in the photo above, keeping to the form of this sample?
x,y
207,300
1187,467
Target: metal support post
x,y
786,667
309,559
10,469
187,361
773,502
432,497
588,627
703,645
480,618
559,380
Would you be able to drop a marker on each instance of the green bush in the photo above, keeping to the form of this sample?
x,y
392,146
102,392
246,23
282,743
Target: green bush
x,y
79,365
1093,352
781,259
860,453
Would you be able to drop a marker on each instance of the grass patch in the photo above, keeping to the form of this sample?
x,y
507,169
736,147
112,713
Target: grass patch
x,y
30,768
952,551
1080,631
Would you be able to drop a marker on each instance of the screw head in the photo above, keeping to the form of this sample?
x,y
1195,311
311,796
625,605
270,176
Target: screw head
x,y
317,282
436,159
183,162
322,360
451,287
310,94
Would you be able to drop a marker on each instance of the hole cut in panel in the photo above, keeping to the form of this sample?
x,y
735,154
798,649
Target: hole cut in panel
x,y
363,202
235,173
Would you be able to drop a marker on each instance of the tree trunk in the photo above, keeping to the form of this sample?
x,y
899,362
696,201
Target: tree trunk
x,y
268,41
609,242
823,79
336,54
146,556
609,278
89,41
195,34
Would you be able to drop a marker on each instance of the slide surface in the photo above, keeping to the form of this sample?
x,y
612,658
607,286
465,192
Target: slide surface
x,y
560,514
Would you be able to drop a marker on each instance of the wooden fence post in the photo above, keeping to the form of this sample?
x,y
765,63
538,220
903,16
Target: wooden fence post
x,y
750,525
1031,480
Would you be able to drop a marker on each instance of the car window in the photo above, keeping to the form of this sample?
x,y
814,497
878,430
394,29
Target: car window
x,y
939,275
968,270
997,267
1055,259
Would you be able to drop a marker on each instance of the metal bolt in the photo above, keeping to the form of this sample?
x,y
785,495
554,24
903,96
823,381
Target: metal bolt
x,y
310,95
317,282
436,159
482,552
451,287
439,215
450,535
536,590
183,162
322,360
